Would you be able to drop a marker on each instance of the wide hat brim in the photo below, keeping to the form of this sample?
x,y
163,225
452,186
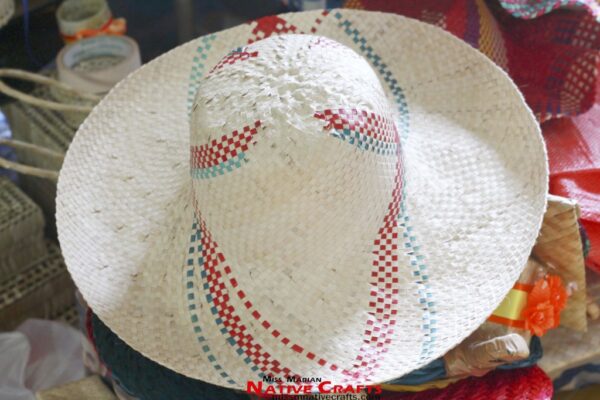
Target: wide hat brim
x,y
145,379
474,192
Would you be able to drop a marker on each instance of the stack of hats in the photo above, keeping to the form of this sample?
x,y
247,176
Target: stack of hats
x,y
345,207
34,282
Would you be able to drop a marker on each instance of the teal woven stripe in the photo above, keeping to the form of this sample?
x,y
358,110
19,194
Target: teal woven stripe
x,y
219,169
212,307
191,294
365,142
195,249
198,68
417,261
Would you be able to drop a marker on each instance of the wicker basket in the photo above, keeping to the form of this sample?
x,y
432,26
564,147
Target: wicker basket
x,y
42,290
45,128
559,247
21,230
33,120
69,316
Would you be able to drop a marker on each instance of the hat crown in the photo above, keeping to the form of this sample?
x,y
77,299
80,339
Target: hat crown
x,y
295,162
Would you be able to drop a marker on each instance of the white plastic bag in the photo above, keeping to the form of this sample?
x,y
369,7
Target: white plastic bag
x,y
39,355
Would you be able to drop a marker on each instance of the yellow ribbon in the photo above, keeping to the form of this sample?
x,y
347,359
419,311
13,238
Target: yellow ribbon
x,y
509,311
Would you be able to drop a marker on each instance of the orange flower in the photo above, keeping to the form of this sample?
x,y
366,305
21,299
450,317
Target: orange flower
x,y
558,295
539,318
544,304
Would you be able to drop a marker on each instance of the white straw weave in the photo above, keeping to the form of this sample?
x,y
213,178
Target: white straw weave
x,y
295,223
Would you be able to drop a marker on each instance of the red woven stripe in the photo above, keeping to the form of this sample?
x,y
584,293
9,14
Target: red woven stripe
x,y
383,304
272,25
232,58
366,123
384,275
214,262
226,147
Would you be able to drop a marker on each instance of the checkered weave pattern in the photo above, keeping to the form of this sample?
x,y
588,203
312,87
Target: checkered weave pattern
x,y
215,272
366,123
282,266
272,25
222,149
234,57
368,131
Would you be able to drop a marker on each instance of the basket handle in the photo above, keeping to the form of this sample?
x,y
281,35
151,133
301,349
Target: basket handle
x,y
27,169
44,80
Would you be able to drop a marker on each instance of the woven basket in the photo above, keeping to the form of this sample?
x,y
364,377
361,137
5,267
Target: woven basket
x,y
73,104
46,128
69,316
42,290
559,247
47,118
21,230
593,295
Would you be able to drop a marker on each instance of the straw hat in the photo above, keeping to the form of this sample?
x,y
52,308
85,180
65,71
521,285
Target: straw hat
x,y
145,379
347,206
